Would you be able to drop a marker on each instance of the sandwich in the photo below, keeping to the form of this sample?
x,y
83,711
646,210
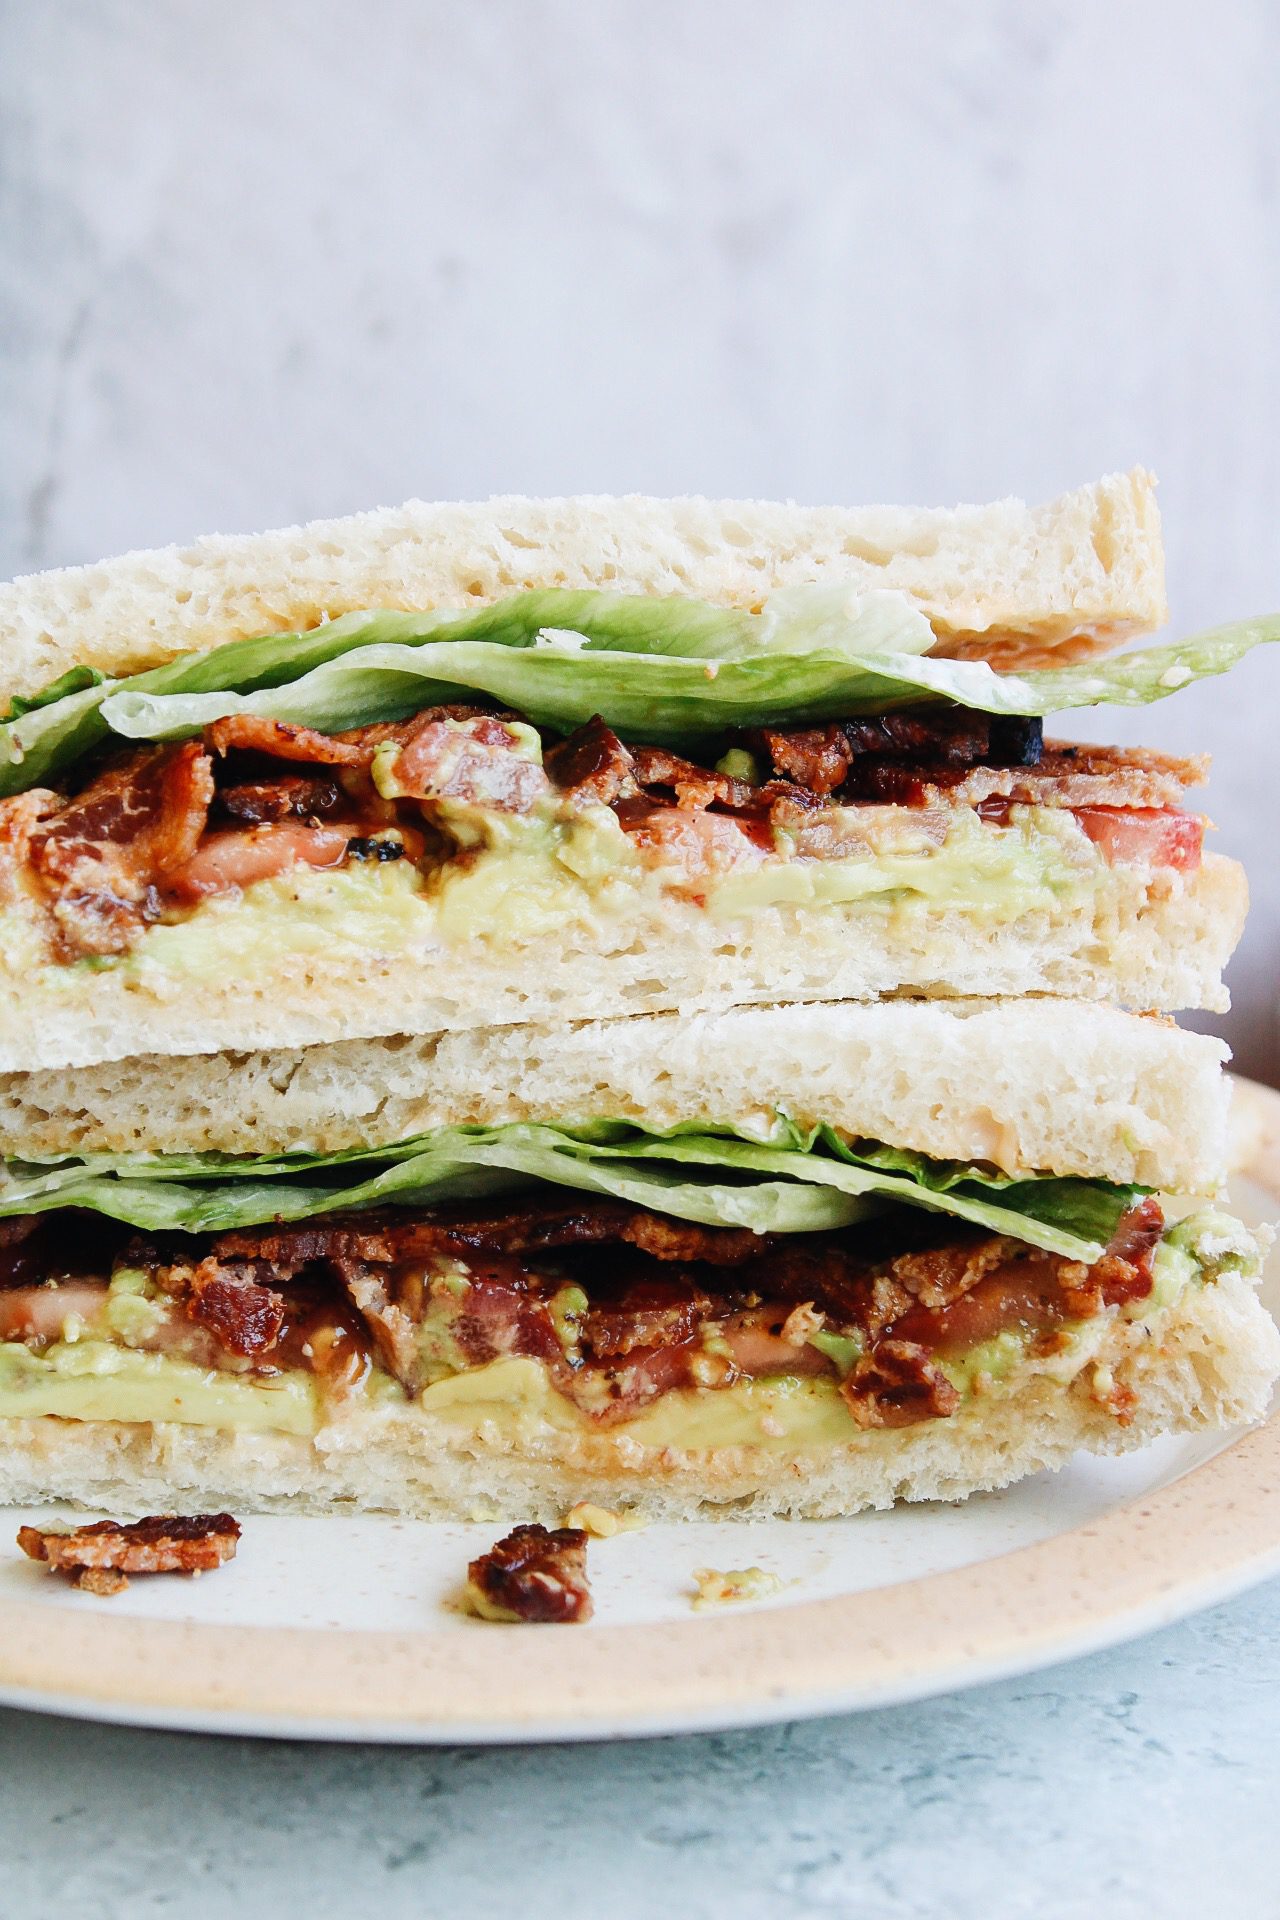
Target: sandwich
x,y
575,760
509,1005
785,1260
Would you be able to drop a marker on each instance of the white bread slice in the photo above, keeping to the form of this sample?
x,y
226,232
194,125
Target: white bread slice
x,y
1207,1361
1149,943
1014,584
1029,1086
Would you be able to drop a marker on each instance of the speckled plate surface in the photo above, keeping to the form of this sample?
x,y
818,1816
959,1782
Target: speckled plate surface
x,y
345,1629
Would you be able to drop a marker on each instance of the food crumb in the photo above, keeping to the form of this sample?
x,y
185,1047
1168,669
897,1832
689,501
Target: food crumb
x,y
100,1580
722,1589
532,1575
96,1558
602,1523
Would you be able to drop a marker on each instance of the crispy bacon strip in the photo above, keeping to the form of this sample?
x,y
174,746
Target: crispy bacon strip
x,y
281,740
1125,1270
657,1313
817,758
99,1556
293,796
242,1315
694,787
533,1574
101,859
823,758
383,1238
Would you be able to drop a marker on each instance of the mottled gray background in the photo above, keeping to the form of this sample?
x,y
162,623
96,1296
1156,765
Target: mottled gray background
x,y
265,261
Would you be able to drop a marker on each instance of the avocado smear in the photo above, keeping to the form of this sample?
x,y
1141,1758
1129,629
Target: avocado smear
x,y
97,1380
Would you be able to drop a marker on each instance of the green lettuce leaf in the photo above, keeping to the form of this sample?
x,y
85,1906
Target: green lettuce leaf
x,y
668,669
794,1183
508,651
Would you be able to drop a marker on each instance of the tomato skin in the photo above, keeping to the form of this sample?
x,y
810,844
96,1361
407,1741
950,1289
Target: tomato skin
x,y
1144,836
1010,1301
237,857
38,1312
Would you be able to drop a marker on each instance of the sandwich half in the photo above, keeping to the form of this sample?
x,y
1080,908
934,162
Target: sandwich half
x,y
799,1259
464,766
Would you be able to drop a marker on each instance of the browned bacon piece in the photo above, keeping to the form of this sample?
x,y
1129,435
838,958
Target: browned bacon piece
x,y
445,753
382,1238
822,758
896,1384
1138,1234
101,859
648,1314
816,757
654,791
293,796
243,1316
534,1574
592,763
282,740
99,1556
1125,1270
694,787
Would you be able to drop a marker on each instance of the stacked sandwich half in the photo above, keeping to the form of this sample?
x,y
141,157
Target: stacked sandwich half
x,y
608,998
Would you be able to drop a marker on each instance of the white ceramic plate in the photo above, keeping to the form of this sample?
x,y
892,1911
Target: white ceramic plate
x,y
345,1628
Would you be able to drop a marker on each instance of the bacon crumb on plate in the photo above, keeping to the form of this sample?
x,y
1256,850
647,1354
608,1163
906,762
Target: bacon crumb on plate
x,y
98,1557
534,1574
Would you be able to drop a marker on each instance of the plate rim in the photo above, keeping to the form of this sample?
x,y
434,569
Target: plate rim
x,y
1092,1586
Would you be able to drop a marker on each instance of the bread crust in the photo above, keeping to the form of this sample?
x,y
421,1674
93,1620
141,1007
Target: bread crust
x,y
1017,585
1207,1362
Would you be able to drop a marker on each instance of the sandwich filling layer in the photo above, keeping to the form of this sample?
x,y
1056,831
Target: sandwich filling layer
x,y
462,824
589,1316
579,804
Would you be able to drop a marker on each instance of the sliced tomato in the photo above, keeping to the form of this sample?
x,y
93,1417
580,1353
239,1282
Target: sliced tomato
x,y
703,844
1010,1301
754,1349
236,859
1144,836
38,1313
